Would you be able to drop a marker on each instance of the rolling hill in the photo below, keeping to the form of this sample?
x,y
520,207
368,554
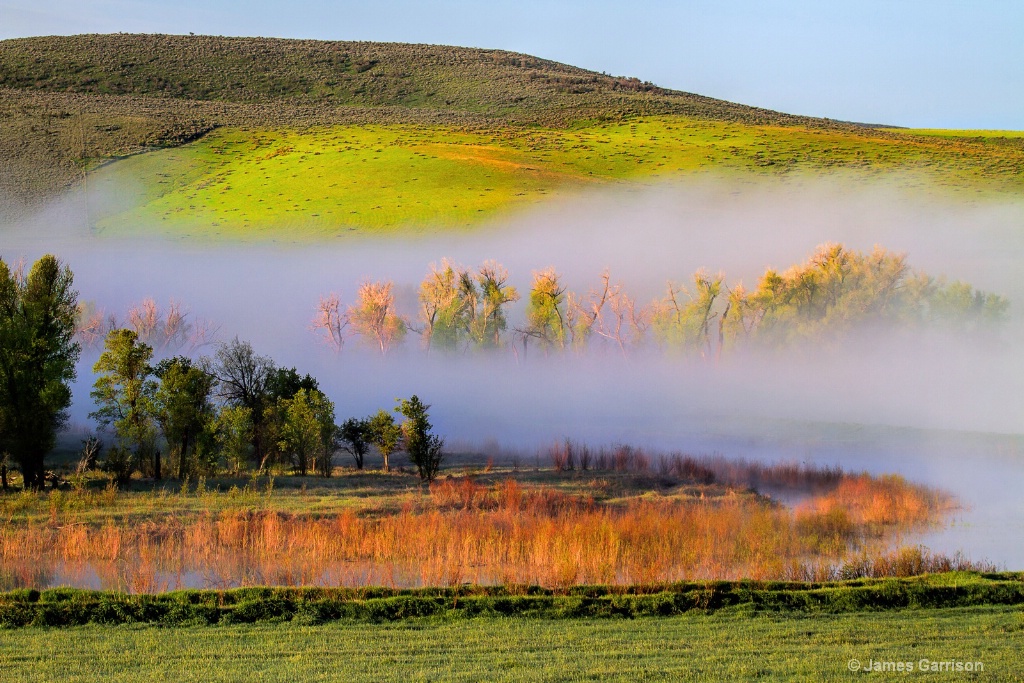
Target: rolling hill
x,y
332,137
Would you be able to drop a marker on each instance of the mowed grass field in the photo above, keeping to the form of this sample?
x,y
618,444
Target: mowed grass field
x,y
694,647
372,179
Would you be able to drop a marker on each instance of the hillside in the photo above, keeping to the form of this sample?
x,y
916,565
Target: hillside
x,y
500,85
66,102
466,132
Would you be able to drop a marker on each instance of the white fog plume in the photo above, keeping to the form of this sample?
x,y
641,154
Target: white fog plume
x,y
753,405
267,293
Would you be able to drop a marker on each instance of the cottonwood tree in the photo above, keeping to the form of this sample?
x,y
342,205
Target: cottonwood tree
x,y
425,450
960,305
446,306
608,313
626,324
123,394
838,289
164,330
489,294
183,407
545,313
38,354
356,435
686,323
332,321
385,434
585,316
92,325
374,316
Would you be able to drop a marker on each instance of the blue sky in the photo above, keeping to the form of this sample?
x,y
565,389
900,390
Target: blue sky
x,y
904,62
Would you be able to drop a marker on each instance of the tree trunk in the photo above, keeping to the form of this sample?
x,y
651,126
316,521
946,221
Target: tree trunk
x,y
183,458
156,466
3,475
34,477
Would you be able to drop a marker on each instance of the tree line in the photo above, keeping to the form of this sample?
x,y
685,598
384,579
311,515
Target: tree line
x,y
237,412
835,292
234,412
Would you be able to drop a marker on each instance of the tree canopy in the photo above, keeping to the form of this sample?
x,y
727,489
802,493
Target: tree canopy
x,y
38,354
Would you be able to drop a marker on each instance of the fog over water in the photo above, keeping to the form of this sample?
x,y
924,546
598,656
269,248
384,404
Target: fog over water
x,y
871,404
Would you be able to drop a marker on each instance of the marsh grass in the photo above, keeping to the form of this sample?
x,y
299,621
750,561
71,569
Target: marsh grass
x,y
632,517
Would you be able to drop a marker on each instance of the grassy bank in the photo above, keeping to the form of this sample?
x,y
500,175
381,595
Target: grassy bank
x,y
692,647
75,607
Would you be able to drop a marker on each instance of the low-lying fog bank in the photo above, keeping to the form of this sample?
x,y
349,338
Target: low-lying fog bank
x,y
746,406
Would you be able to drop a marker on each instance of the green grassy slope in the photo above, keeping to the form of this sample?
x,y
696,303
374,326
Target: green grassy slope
x,y
346,179
688,648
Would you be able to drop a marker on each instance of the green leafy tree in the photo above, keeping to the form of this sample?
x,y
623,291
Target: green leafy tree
x,y
124,391
545,312
37,361
356,436
489,296
958,304
838,290
385,434
445,307
232,431
183,407
686,323
283,384
307,431
425,450
243,380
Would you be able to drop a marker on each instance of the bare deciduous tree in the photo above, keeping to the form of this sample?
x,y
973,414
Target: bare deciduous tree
x,y
374,316
331,321
170,330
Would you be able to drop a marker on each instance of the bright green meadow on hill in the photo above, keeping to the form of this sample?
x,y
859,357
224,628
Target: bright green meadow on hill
x,y
237,183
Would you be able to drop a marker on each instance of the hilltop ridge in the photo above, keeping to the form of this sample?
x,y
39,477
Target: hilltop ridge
x,y
496,83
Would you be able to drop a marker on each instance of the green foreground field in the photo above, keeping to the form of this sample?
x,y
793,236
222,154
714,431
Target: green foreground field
x,y
691,647
373,179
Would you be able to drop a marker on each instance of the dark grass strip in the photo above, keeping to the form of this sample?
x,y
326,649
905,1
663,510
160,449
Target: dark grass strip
x,y
60,607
